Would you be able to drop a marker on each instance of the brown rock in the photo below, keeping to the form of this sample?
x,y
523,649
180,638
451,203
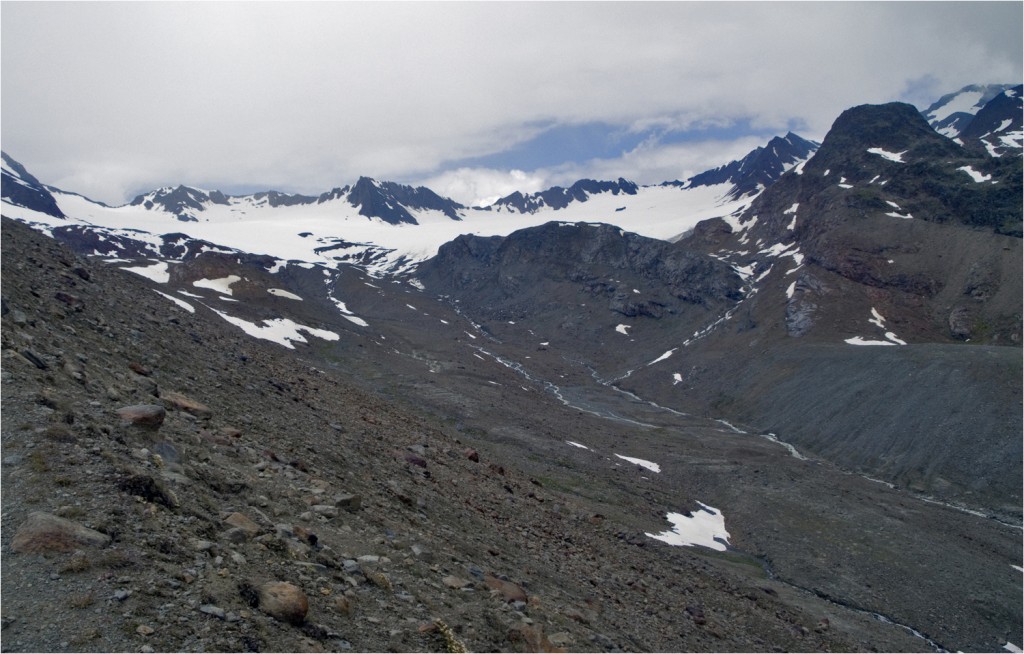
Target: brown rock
x,y
455,582
509,592
284,601
43,532
138,368
146,415
244,523
472,455
186,404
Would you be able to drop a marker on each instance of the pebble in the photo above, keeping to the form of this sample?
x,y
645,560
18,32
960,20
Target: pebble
x,y
215,611
144,630
121,594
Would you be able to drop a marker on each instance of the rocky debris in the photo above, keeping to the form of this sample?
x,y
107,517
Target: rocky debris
x,y
283,601
44,532
373,574
145,415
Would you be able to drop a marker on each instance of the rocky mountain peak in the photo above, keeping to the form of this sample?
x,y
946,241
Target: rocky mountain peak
x,y
20,187
759,168
391,202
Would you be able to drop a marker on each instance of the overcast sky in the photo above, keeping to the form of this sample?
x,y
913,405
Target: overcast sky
x,y
474,100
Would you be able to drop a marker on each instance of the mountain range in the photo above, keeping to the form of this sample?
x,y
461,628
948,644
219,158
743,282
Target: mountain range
x,y
820,340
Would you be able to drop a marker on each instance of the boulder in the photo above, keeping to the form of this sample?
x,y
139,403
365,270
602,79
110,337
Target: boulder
x,y
186,404
44,532
283,601
145,415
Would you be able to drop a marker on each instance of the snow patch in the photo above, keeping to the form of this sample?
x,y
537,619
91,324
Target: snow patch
x,y
221,285
157,272
181,303
663,356
975,175
623,329
579,445
858,340
704,527
280,292
896,157
282,331
643,463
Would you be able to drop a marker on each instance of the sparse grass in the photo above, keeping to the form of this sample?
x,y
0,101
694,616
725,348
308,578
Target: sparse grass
x,y
92,633
59,433
77,563
83,601
37,462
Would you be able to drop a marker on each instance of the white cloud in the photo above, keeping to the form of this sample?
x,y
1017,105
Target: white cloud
x,y
305,96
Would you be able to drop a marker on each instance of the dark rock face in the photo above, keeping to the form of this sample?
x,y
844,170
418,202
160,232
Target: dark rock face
x,y
22,189
184,202
557,197
600,260
759,169
391,202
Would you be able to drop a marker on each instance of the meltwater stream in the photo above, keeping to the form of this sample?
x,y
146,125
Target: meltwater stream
x,y
560,394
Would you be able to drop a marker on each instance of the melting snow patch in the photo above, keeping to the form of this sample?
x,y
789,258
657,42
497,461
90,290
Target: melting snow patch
x,y
790,290
893,214
417,284
796,205
663,357
705,527
221,285
975,175
579,445
280,292
348,315
650,465
623,329
858,340
891,156
157,272
279,330
676,377
181,303
1010,647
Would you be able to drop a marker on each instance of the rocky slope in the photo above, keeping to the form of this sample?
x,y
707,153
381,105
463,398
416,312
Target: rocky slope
x,y
405,522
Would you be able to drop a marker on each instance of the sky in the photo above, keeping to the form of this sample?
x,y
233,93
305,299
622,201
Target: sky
x,y
472,99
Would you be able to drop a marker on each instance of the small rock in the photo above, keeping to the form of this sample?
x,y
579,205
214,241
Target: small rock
x,y
325,510
348,501
455,582
509,591
236,535
144,630
122,594
186,404
343,605
215,611
472,455
368,559
415,460
203,545
283,601
242,521
138,368
44,532
145,415
422,553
